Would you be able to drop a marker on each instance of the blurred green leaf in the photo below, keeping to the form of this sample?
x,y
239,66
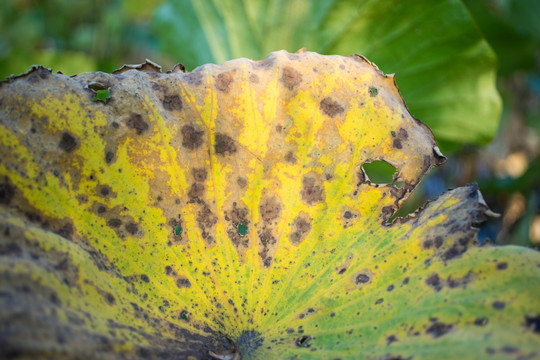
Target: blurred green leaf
x,y
445,68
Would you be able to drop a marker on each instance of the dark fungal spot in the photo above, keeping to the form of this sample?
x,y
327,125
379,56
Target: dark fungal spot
x,y
132,228
7,192
533,323
109,157
498,305
168,270
264,64
242,182
114,223
379,301
109,298
101,209
223,81
290,158
191,138
397,144
301,227
196,191
136,122
481,321
402,134
172,102
253,78
362,279
145,278
390,339
224,144
330,107
434,281
183,282
10,249
66,231
290,77
199,175
438,329
270,209
405,281
311,193
502,266
194,78
390,288
67,142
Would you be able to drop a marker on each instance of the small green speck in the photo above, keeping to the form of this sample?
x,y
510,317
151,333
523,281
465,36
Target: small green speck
x,y
373,91
242,229
177,230
102,95
393,133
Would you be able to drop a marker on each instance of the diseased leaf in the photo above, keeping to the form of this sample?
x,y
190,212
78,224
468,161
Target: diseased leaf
x,y
225,212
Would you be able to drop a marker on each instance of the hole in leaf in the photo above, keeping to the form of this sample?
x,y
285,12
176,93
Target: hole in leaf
x,y
373,91
242,229
102,95
177,230
380,172
304,341
184,315
399,184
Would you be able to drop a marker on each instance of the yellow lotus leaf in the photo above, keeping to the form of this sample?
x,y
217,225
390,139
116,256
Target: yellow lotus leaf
x,y
225,213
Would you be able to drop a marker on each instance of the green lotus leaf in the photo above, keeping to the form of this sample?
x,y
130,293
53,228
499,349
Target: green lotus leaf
x,y
225,213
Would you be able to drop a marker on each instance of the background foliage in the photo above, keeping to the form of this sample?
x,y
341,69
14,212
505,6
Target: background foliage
x,y
439,51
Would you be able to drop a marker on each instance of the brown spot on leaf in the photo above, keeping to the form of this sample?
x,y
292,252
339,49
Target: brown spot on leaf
x,y
242,182
330,107
132,228
311,193
7,191
67,142
172,102
481,321
183,282
362,279
254,78
301,227
206,219
438,329
402,134
191,138
434,281
290,157
502,265
290,77
196,191
114,223
199,175
194,78
224,144
397,144
223,81
498,305
109,157
136,122
66,231
270,209
533,323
